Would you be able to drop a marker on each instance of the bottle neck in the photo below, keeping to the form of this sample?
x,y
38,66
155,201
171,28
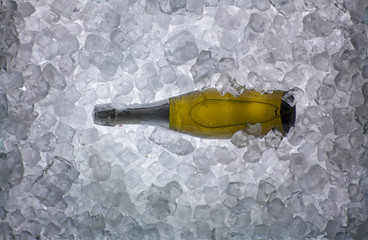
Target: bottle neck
x,y
156,114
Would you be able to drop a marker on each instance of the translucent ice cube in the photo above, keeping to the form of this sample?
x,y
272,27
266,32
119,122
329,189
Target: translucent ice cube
x,y
181,48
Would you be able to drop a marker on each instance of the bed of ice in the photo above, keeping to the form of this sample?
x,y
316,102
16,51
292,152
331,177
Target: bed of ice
x,y
62,177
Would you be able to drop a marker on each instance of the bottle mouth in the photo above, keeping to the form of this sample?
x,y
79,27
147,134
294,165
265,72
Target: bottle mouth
x,y
288,114
104,114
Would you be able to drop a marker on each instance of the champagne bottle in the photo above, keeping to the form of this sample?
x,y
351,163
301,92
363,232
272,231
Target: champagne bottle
x,y
206,113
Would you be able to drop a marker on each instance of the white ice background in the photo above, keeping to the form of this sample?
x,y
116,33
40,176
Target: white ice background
x,y
63,177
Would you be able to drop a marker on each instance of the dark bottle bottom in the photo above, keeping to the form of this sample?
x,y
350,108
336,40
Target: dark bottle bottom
x,y
288,114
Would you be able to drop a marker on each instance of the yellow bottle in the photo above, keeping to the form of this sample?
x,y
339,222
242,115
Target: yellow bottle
x,y
207,113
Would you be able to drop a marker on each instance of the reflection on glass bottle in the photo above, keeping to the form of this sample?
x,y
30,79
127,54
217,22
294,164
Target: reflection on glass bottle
x,y
207,113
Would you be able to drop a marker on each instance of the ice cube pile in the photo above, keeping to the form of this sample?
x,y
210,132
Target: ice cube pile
x,y
62,177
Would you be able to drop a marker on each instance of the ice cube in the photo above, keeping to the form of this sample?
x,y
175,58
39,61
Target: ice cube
x,y
4,106
98,222
95,43
166,230
160,205
217,215
144,146
365,71
343,120
107,66
194,181
180,146
248,4
16,218
265,192
64,133
262,5
119,38
194,6
186,234
127,156
88,136
343,82
111,19
64,107
12,172
321,61
281,25
224,156
260,232
211,194
298,228
24,52
354,192
55,181
137,232
102,170
325,92
285,7
204,68
129,64
132,179
299,52
203,230
64,7
275,207
69,45
234,189
152,7
18,124
26,9
311,88
174,189
53,77
140,50
295,202
240,139
181,48
183,213
295,76
167,160
315,180
253,154
83,58
202,161
168,74
315,26
359,40
297,165
66,64
273,138
259,23
176,5
229,41
30,154
6,230
356,99
51,230
329,207
59,32
94,190
40,90
332,228
46,142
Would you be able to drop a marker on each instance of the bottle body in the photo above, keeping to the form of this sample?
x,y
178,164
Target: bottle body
x,y
211,114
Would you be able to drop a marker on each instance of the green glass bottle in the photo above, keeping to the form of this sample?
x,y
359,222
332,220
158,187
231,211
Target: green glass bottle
x,y
206,113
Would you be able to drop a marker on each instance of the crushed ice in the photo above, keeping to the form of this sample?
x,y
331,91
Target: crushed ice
x,y
62,177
